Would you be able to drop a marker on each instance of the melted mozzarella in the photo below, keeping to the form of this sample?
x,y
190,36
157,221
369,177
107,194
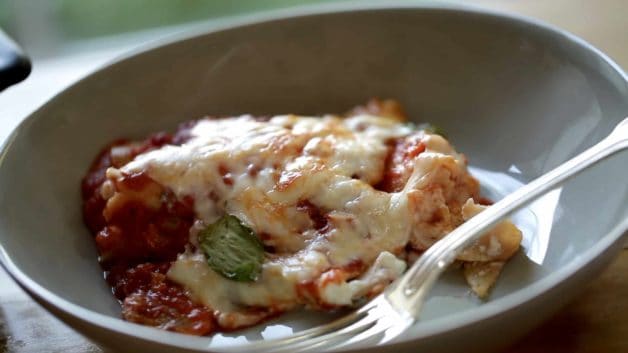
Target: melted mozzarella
x,y
262,171
384,270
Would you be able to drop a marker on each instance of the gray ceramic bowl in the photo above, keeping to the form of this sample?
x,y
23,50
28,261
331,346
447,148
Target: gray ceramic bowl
x,y
518,97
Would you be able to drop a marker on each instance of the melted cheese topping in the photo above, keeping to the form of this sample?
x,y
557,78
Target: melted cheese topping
x,y
263,171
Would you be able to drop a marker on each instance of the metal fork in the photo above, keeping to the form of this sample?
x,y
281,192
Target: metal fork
x,y
392,312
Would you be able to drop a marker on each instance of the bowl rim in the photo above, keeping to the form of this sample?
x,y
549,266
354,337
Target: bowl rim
x,y
432,327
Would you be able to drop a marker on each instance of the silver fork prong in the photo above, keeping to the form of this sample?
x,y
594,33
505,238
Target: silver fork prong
x,y
380,326
391,323
379,317
343,326
396,330
317,343
340,323
332,340
394,311
368,320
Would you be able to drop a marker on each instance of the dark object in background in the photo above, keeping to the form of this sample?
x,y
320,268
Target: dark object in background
x,y
14,65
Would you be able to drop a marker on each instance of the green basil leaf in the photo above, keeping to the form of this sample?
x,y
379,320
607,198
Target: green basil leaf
x,y
232,249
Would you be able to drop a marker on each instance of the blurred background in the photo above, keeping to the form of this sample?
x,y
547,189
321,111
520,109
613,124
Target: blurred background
x,y
48,28
67,39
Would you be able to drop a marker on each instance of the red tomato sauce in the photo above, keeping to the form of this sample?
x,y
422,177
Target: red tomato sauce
x,y
137,241
398,165
140,227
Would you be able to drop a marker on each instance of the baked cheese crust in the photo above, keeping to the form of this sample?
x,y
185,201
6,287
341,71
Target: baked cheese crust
x,y
341,205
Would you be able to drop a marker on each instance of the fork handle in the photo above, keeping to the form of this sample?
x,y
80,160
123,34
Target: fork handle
x,y
421,276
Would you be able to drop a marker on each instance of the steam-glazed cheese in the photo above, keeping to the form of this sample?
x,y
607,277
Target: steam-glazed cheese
x,y
307,187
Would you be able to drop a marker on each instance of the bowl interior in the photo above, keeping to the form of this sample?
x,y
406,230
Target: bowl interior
x,y
515,98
